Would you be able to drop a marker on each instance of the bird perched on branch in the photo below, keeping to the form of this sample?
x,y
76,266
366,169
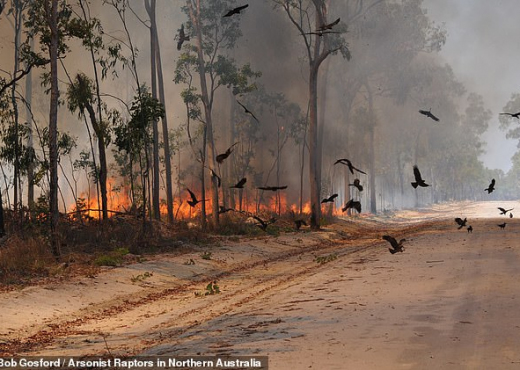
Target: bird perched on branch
x,y
194,201
329,26
240,184
348,163
221,157
515,115
491,187
418,178
502,226
247,111
352,204
236,10
428,113
461,222
357,184
181,37
272,188
330,199
396,246
215,176
503,211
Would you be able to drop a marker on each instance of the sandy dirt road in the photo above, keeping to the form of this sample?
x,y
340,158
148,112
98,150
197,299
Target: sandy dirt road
x,y
450,301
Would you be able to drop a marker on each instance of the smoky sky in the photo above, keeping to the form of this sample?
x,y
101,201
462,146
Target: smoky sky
x,y
483,49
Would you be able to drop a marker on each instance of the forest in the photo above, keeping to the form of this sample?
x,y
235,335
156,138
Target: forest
x,y
121,119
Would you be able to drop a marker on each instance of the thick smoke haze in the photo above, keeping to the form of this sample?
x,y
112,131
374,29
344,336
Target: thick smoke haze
x,y
482,48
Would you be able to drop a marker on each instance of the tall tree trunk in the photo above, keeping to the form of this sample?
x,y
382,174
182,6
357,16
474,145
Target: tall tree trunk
x,y
165,132
30,145
17,14
372,148
315,181
52,19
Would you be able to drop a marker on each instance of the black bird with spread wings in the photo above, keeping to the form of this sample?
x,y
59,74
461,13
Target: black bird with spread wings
x,y
181,37
428,113
221,157
491,187
330,199
272,188
418,178
349,164
503,211
396,246
515,115
357,185
263,224
240,184
247,111
194,201
329,26
352,204
236,10
461,222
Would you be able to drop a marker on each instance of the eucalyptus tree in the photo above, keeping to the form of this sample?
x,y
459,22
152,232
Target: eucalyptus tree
x,y
310,19
207,56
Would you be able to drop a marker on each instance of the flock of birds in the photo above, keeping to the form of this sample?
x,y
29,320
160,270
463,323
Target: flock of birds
x,y
396,246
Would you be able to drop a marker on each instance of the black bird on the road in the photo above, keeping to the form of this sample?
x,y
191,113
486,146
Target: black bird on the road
x,y
272,188
503,211
194,201
396,246
428,113
329,26
298,224
491,187
330,199
236,10
348,163
515,115
181,37
352,204
239,185
461,222
247,111
418,179
357,184
470,229
263,224
221,157
502,226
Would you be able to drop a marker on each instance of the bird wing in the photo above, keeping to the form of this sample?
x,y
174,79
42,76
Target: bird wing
x,y
391,240
238,9
433,117
417,174
492,182
193,197
502,210
459,221
241,182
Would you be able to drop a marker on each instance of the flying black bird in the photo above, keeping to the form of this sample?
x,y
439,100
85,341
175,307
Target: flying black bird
x,y
221,157
502,226
503,211
330,199
272,188
299,223
329,26
263,224
247,111
491,187
515,115
352,204
194,201
418,179
396,247
461,222
357,184
348,163
470,229
181,37
236,10
222,209
428,113
239,185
